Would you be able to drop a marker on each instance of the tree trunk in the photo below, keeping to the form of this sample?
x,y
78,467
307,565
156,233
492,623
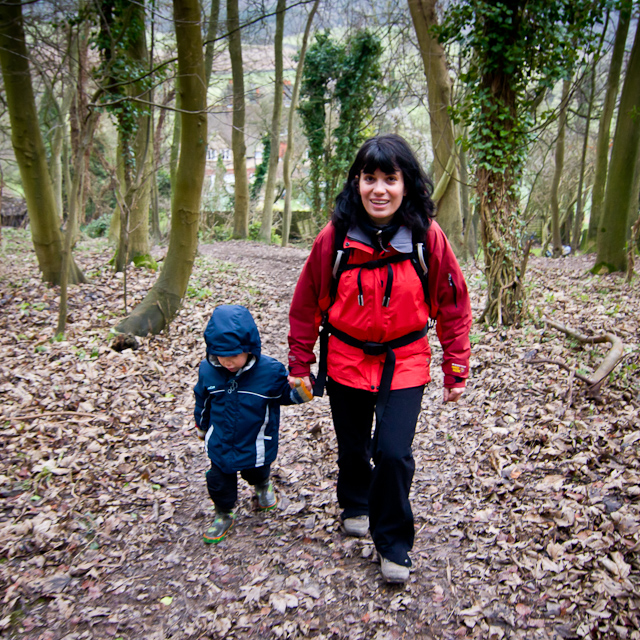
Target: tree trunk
x,y
75,199
137,155
502,249
269,191
155,233
579,219
55,163
212,31
139,195
58,106
1,193
238,146
29,148
469,215
632,249
288,154
555,185
619,201
114,225
78,108
635,193
576,236
423,14
163,301
602,147
504,263
174,155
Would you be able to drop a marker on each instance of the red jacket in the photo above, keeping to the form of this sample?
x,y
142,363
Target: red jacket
x,y
407,312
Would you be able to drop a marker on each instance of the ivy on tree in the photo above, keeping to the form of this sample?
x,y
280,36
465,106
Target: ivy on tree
x,y
122,27
343,78
260,174
513,52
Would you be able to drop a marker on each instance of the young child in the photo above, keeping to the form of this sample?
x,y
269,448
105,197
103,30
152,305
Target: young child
x,y
237,412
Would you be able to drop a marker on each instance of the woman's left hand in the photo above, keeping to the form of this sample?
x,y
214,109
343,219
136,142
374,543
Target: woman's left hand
x,y
452,395
295,380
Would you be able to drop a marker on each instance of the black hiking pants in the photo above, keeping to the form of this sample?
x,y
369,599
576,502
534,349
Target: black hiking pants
x,y
223,487
381,491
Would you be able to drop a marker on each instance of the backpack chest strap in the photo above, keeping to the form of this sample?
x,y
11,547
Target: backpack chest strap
x,y
370,265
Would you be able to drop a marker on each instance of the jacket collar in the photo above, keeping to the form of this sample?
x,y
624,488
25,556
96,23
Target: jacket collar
x,y
401,241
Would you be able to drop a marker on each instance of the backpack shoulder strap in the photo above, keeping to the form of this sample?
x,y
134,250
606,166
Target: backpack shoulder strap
x,y
420,261
340,260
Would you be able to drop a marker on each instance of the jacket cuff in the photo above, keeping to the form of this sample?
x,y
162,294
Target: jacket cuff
x,y
299,370
451,381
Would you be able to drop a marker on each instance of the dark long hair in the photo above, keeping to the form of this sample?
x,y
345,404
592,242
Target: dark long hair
x,y
389,153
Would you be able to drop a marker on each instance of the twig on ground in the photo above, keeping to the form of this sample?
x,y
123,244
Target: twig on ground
x,y
609,363
51,414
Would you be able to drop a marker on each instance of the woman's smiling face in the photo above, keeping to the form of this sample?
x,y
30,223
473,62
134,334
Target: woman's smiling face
x,y
381,194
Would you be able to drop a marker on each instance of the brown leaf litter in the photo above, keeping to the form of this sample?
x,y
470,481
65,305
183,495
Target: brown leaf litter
x,y
526,494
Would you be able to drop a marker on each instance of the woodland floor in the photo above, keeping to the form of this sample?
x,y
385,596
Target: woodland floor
x,y
526,494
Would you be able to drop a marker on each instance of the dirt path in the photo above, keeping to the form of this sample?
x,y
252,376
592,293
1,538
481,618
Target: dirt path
x,y
525,496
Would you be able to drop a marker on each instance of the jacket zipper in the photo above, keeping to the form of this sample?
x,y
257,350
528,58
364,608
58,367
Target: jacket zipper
x,y
455,291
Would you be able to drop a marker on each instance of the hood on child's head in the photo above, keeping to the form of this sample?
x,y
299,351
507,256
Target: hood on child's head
x,y
232,330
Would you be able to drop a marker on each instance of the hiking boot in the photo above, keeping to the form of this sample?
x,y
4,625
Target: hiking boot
x,y
266,496
357,526
217,532
392,572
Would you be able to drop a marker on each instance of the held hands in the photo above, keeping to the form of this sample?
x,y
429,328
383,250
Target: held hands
x,y
200,433
301,389
294,381
452,395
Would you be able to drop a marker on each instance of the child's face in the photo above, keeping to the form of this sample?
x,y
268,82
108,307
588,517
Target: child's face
x,y
233,363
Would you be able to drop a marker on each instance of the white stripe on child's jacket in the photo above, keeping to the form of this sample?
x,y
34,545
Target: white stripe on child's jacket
x,y
260,448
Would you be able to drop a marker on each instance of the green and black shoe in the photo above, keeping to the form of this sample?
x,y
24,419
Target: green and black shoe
x,y
217,532
266,496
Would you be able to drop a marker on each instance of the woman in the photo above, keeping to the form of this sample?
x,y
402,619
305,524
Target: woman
x,y
375,313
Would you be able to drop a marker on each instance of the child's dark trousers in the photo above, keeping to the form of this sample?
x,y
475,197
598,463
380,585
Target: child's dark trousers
x,y
223,487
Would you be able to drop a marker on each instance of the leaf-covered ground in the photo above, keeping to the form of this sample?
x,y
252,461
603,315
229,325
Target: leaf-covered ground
x,y
526,494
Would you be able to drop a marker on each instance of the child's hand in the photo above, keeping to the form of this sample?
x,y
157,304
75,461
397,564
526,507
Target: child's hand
x,y
200,433
301,389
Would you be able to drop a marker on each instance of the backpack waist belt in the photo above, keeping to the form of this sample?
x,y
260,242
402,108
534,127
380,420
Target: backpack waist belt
x,y
370,349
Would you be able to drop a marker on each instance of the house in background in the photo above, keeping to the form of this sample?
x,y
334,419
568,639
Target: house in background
x,y
259,66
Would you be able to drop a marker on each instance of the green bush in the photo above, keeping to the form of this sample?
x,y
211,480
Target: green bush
x,y
146,262
99,227
254,233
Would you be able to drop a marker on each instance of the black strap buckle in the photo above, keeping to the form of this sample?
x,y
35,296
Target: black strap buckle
x,y
374,348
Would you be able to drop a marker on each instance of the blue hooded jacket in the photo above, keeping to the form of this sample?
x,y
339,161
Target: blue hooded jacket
x,y
240,412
